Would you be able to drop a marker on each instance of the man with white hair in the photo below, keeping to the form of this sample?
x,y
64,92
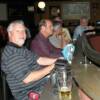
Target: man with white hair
x,y
79,30
21,66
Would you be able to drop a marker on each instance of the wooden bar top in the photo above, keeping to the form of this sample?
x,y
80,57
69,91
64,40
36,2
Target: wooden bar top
x,y
48,94
88,79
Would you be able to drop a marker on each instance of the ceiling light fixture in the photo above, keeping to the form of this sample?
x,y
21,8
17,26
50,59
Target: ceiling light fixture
x,y
41,5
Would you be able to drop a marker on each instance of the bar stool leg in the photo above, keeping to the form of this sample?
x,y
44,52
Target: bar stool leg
x,y
4,86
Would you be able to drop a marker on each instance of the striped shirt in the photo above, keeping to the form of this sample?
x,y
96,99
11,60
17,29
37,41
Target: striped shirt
x,y
18,63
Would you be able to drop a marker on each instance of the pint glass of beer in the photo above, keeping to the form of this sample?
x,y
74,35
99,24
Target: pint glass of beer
x,y
64,84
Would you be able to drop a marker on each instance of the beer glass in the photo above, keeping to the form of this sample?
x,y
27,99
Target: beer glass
x,y
64,80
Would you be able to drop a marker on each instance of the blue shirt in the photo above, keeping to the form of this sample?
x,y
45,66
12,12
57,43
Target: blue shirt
x,y
78,32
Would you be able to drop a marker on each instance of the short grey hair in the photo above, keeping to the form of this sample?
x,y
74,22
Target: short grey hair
x,y
12,24
84,17
56,25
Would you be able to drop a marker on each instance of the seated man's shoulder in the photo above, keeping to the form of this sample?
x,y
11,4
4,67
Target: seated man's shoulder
x,y
78,27
35,39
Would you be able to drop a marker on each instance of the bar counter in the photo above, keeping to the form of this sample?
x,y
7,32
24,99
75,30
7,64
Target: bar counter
x,y
48,94
88,79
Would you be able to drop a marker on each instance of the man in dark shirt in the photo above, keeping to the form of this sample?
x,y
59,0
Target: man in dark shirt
x,y
41,45
21,66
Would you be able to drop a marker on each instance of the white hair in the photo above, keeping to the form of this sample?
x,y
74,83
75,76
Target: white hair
x,y
56,25
12,24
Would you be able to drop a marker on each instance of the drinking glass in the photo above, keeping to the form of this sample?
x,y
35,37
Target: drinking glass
x,y
64,80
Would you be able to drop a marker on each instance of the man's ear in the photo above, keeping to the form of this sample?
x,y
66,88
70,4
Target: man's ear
x,y
9,34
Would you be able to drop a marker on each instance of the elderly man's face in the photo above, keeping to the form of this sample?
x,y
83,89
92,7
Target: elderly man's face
x,y
84,22
18,34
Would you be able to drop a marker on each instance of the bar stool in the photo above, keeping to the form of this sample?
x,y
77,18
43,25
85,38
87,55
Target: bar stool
x,y
6,93
4,86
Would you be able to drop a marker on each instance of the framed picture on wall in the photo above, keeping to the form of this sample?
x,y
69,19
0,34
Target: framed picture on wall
x,y
54,11
75,10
